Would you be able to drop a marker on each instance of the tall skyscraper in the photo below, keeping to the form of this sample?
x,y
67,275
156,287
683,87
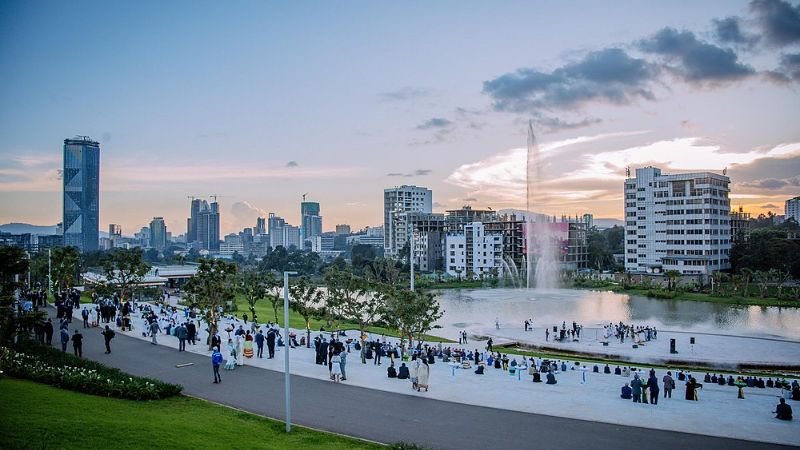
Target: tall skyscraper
x,y
275,226
677,222
194,217
81,193
208,226
311,221
397,202
158,233
261,226
114,231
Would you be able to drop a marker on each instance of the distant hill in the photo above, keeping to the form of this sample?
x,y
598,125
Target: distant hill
x,y
21,228
608,223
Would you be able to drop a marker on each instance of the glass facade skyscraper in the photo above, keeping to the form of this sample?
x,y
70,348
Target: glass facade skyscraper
x,y
311,221
81,179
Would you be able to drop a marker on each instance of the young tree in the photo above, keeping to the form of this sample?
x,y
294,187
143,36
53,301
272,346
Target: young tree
x,y
274,289
65,266
124,269
672,278
411,313
355,299
212,287
253,285
306,300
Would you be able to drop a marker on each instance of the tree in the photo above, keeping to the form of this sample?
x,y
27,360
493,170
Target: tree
x,y
274,288
762,277
306,299
253,285
13,266
411,313
212,287
65,267
353,298
124,269
672,278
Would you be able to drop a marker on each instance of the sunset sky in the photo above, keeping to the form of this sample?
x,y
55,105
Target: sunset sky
x,y
260,102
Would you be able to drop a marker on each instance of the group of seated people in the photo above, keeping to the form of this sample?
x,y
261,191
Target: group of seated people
x,y
402,373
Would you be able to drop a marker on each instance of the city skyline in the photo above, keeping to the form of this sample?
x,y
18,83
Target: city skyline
x,y
445,107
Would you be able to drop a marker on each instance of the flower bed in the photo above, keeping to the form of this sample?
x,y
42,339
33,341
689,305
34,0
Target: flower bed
x,y
50,366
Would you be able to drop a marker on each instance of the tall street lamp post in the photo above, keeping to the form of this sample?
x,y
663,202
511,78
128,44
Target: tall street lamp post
x,y
286,347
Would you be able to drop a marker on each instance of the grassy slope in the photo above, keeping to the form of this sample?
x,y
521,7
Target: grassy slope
x,y
178,422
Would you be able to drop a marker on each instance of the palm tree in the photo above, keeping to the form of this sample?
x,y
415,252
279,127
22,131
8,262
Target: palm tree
x,y
672,277
747,275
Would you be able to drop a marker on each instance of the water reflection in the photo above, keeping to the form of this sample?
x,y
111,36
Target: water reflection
x,y
478,308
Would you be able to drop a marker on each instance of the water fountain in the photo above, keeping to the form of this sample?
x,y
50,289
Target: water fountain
x,y
541,251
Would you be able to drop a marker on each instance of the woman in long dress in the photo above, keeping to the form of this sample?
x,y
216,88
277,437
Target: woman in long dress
x,y
248,345
422,376
336,369
414,371
230,363
691,389
239,350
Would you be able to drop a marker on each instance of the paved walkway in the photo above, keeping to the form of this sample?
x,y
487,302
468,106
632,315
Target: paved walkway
x,y
383,416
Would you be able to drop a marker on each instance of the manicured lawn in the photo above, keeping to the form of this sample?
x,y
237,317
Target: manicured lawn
x,y
39,416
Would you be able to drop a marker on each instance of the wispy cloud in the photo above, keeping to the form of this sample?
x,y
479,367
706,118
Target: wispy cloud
x,y
416,173
405,93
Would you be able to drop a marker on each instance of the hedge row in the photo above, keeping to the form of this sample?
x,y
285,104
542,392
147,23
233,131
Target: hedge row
x,y
47,365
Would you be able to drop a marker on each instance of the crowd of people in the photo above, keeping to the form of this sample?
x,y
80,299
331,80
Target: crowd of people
x,y
638,334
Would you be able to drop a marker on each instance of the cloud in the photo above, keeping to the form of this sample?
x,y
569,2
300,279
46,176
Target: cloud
x,y
435,123
779,21
687,124
244,215
606,76
773,183
418,172
788,71
438,205
471,199
292,164
552,124
402,94
729,31
768,206
695,61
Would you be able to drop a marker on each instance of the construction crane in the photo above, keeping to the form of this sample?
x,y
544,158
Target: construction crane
x,y
214,196
304,196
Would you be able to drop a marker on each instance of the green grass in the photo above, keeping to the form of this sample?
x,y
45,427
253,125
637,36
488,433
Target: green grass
x,y
178,422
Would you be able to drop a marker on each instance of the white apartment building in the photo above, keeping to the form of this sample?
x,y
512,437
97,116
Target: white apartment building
x,y
792,209
473,252
677,222
397,202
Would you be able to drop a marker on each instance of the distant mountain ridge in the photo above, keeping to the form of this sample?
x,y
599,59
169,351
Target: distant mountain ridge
x,y
22,228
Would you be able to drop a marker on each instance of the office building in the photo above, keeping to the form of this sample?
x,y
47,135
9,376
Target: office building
x,y
114,231
792,209
261,226
474,253
81,181
158,234
343,229
677,222
291,237
397,202
310,220
206,226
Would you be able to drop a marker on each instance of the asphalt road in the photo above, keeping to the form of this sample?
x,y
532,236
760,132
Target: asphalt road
x,y
383,416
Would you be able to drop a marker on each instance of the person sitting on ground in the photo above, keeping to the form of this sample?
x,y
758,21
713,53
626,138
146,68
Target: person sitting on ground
x,y
760,383
497,363
770,383
627,392
721,380
479,370
731,381
783,411
713,379
596,369
626,372
391,371
681,376
606,369
403,373
551,379
537,377
796,393
707,378
490,360
563,366
617,371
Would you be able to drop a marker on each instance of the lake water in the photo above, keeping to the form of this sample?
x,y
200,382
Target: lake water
x,y
478,308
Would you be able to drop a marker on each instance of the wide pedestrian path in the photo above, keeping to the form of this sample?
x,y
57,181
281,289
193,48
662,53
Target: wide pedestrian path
x,y
379,415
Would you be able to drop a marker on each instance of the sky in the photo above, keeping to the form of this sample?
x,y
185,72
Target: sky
x,y
262,102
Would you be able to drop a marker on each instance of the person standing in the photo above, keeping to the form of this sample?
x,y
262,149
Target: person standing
x,y
239,350
691,389
216,361
154,330
191,332
669,385
85,316
336,368
64,339
48,332
378,349
342,364
423,375
652,384
77,344
636,385
182,333
108,334
271,344
260,343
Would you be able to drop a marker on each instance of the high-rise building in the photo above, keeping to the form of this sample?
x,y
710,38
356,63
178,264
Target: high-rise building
x,y
792,209
677,222
81,179
343,229
740,226
473,252
310,220
275,226
397,202
202,228
114,231
261,226
158,233
291,237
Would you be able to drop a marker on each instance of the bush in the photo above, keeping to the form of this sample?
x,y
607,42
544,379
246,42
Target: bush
x,y
661,293
47,365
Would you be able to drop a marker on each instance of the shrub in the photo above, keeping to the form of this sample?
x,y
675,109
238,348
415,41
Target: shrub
x,y
47,365
661,293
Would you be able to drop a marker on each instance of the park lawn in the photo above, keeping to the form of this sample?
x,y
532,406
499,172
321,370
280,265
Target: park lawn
x,y
177,422
753,300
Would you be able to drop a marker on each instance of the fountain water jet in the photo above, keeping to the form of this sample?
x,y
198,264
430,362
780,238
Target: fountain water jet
x,y
541,251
